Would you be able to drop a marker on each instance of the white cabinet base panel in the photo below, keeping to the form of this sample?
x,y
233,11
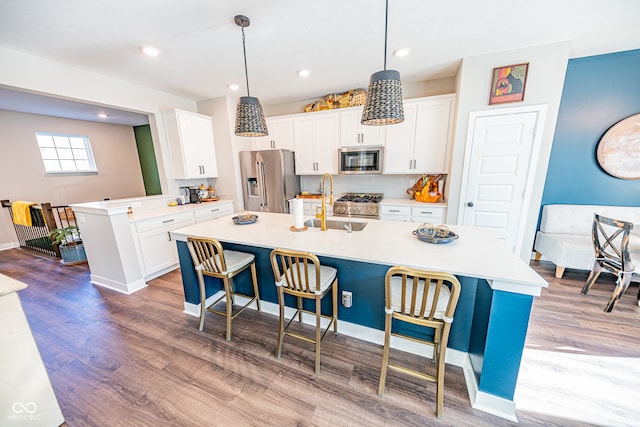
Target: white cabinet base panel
x,y
124,288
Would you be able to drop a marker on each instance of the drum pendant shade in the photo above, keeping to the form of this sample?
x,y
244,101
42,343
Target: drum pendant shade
x,y
249,115
384,96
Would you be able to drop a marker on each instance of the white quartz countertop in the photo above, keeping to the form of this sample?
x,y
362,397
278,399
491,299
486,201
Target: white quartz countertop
x,y
475,254
142,207
139,215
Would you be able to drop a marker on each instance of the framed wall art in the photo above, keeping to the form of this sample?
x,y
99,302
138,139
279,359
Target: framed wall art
x,y
508,83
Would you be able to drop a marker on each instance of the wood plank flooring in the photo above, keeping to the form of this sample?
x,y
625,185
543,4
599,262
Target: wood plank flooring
x,y
137,360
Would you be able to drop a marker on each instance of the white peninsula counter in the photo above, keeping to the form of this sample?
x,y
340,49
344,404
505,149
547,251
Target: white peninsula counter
x,y
491,319
127,241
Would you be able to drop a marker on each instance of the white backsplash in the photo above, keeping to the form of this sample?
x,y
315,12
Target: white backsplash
x,y
392,186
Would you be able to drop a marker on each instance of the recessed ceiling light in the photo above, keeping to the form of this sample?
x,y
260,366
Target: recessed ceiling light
x,y
149,50
402,51
102,115
233,86
304,73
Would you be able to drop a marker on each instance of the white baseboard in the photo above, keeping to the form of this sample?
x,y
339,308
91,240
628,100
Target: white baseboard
x,y
9,245
482,401
125,288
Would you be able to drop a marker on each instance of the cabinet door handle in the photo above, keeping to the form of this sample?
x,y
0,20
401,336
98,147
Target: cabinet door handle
x,y
169,234
394,210
168,220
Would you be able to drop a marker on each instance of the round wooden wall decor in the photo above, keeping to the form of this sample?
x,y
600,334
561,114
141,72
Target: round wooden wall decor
x,y
619,149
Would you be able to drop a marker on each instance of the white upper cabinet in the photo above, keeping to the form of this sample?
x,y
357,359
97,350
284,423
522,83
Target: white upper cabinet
x,y
420,143
317,139
191,145
280,135
354,134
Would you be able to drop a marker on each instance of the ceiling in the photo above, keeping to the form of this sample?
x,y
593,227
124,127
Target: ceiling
x,y
340,41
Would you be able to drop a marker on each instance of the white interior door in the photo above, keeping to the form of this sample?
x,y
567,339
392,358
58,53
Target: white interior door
x,y
498,168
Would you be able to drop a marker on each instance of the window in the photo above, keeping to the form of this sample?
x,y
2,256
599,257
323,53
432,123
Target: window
x,y
65,153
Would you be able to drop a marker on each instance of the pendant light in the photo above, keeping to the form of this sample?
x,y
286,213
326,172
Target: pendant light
x,y
384,96
249,115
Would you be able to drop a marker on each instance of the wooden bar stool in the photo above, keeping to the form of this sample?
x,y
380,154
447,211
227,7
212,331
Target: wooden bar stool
x,y
301,275
211,260
423,298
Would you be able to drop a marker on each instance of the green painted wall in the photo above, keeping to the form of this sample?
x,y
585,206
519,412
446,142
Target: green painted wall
x,y
147,157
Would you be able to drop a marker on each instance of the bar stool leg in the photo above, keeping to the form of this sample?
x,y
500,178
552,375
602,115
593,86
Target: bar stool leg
x,y
318,331
254,278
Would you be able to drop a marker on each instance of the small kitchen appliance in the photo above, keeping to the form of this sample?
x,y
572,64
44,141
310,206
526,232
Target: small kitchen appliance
x,y
194,196
360,160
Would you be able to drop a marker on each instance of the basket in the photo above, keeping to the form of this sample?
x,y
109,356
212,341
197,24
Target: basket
x,y
73,254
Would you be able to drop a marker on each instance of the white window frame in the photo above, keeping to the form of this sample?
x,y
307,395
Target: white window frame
x,y
70,159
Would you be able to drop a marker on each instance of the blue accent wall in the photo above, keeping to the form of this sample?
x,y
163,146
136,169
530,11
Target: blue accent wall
x,y
599,91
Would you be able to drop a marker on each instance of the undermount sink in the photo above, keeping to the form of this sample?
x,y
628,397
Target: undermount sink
x,y
335,225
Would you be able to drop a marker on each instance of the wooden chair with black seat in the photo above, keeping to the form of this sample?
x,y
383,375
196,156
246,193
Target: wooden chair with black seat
x,y
407,301
614,252
210,259
300,274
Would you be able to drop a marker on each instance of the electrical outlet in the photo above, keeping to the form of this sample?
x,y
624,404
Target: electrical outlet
x,y
81,218
136,204
347,299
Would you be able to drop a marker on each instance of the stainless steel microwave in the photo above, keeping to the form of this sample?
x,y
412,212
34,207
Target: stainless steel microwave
x,y
360,160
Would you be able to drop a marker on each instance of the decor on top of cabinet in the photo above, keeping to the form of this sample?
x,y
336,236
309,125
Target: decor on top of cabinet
x,y
426,189
350,98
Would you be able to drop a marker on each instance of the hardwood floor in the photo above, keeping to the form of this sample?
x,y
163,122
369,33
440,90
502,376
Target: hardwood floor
x,y
124,360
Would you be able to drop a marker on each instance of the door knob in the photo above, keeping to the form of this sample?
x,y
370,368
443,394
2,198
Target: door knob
x,y
470,204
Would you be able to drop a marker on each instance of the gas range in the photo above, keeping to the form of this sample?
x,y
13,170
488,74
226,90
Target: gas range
x,y
363,205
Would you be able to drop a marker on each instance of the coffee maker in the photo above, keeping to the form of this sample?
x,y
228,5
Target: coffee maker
x,y
190,194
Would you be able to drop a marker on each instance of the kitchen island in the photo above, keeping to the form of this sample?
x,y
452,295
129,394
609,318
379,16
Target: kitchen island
x,y
490,325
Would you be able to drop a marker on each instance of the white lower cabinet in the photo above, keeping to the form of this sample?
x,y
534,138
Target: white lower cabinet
x,y
409,212
158,251
395,212
432,214
213,212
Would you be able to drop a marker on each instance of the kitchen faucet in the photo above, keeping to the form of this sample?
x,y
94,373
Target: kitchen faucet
x,y
348,227
323,211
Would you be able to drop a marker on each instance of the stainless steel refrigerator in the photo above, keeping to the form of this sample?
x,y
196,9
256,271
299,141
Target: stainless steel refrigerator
x,y
268,180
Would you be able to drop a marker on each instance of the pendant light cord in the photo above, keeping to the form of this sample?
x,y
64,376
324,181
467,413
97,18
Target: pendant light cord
x,y
244,52
386,24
